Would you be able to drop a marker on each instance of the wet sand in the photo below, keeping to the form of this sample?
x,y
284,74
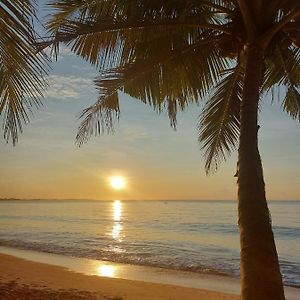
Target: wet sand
x,y
26,280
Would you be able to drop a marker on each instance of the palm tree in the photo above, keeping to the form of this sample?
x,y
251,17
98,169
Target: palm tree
x,y
21,68
171,53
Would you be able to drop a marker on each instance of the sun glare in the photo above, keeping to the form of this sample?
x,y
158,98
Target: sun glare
x,y
106,270
117,182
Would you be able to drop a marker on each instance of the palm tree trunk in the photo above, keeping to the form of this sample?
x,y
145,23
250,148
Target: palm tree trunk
x,y
260,273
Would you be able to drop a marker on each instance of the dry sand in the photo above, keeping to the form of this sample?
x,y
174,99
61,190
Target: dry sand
x,y
26,280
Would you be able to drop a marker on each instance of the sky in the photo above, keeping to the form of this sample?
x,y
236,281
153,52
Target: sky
x,y
156,161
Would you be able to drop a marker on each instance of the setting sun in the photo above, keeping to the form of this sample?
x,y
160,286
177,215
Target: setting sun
x,y
117,182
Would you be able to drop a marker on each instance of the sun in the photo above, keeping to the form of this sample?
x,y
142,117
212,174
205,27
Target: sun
x,y
117,182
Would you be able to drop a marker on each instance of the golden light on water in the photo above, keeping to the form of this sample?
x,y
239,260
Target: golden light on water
x,y
117,182
106,270
117,210
116,231
117,215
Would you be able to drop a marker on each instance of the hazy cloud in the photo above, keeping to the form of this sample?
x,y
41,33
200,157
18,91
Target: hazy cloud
x,y
68,87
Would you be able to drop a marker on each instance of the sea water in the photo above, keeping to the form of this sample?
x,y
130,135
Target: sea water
x,y
197,236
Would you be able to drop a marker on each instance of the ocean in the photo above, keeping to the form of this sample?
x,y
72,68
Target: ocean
x,y
196,236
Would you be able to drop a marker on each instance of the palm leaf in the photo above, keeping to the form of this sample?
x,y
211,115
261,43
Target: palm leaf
x,y
284,70
101,30
99,117
291,103
21,69
166,80
220,120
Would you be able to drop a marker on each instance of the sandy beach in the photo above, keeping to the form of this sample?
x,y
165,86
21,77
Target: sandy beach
x,y
32,275
22,279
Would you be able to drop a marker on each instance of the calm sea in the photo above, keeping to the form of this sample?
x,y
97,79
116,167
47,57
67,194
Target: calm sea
x,y
199,236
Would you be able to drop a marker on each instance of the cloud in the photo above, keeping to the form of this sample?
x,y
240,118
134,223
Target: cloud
x,y
83,68
134,134
68,87
63,52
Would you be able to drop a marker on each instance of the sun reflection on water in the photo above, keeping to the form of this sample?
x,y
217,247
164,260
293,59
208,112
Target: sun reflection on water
x,y
117,210
116,231
117,216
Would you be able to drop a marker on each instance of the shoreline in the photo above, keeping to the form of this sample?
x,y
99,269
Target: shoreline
x,y
91,267
202,271
59,272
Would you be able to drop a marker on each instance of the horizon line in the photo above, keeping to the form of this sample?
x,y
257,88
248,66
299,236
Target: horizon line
x,y
84,199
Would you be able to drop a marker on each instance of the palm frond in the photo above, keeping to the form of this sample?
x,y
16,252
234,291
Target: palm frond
x,y
99,117
66,10
165,80
291,103
100,30
291,65
283,69
21,68
220,120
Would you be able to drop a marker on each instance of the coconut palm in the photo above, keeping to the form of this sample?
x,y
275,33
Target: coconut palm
x,y
21,68
172,53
